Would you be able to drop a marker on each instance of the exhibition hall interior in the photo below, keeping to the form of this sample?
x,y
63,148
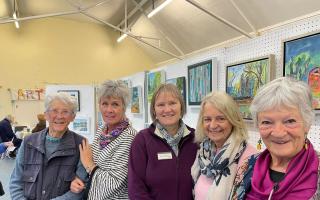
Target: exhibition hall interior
x,y
200,46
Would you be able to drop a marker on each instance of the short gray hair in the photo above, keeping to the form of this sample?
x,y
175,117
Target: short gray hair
x,y
226,105
115,88
62,97
284,92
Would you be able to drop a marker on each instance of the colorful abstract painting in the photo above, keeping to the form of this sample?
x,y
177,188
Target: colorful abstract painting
x,y
136,99
302,61
244,79
180,82
199,81
154,80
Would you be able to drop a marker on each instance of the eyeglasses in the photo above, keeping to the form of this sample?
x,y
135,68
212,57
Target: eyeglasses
x,y
64,113
270,125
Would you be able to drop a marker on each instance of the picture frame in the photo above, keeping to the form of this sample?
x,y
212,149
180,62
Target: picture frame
x,y
155,79
180,82
136,100
81,125
74,94
199,82
243,79
301,60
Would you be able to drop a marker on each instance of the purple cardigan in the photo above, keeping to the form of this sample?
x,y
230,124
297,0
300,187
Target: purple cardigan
x,y
153,179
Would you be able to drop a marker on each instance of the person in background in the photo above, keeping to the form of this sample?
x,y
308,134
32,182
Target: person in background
x,y
107,160
288,168
222,135
49,160
6,131
161,156
41,123
4,146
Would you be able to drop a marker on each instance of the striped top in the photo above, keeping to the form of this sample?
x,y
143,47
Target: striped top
x,y
110,180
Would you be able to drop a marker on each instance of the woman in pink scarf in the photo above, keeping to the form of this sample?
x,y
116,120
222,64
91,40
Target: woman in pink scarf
x,y
288,168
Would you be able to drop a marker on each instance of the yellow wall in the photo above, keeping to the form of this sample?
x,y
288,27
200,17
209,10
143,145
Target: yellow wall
x,y
55,50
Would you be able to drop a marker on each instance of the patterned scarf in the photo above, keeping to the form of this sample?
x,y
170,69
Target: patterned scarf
x,y
220,166
300,181
174,140
107,137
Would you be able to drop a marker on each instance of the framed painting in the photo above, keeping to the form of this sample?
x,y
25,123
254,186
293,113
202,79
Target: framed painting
x,y
245,78
301,60
199,81
136,100
180,82
81,125
74,94
154,81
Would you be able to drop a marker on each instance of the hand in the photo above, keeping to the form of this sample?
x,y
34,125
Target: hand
x,y
86,155
8,144
76,185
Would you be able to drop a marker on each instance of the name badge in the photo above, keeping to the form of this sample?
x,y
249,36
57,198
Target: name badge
x,y
164,156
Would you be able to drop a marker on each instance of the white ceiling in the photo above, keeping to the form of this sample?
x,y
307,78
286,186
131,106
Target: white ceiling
x,y
180,28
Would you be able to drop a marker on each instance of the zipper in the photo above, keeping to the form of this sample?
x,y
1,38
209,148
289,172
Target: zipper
x,y
274,189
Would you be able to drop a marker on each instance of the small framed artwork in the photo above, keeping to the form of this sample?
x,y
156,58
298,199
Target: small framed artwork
x,y
180,82
154,81
81,125
74,94
243,80
199,81
301,60
136,100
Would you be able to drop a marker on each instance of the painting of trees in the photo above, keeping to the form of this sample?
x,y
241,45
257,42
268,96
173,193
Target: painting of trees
x,y
244,80
302,61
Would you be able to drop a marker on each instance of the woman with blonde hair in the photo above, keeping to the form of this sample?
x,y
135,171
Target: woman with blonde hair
x,y
222,135
162,154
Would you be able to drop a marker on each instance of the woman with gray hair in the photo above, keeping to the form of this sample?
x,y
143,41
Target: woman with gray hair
x,y
289,166
49,160
107,160
222,135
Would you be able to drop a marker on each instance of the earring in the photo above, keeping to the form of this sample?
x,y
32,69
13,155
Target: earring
x,y
259,145
306,144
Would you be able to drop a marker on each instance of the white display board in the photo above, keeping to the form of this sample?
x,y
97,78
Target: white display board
x,y
85,118
137,119
270,42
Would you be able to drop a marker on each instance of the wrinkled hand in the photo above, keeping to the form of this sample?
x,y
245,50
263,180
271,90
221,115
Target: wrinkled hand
x,y
77,185
8,144
86,154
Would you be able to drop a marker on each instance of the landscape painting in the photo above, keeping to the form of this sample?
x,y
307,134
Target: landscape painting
x,y
136,100
244,79
154,80
180,82
301,61
199,81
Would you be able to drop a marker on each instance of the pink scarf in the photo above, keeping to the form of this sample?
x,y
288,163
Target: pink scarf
x,y
300,181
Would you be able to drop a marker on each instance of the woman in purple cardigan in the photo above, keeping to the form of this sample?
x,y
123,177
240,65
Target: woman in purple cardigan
x,y
161,156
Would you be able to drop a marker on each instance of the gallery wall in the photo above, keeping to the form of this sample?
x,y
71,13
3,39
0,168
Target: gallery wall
x,y
270,42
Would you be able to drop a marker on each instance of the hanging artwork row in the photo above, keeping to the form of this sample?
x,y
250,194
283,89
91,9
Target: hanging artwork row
x,y
27,94
301,60
245,78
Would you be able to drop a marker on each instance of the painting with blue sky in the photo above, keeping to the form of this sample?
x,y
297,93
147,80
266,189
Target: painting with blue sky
x,y
302,61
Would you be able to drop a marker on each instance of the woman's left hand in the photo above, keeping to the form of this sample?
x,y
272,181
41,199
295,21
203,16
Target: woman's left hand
x,y
86,155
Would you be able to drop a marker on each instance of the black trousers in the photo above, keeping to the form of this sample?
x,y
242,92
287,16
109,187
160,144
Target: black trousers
x,y
1,189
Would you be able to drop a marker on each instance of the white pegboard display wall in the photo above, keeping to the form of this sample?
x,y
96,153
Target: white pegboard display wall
x,y
271,43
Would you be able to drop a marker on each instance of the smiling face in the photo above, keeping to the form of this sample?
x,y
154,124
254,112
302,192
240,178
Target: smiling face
x,y
167,110
59,116
112,110
215,125
282,131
